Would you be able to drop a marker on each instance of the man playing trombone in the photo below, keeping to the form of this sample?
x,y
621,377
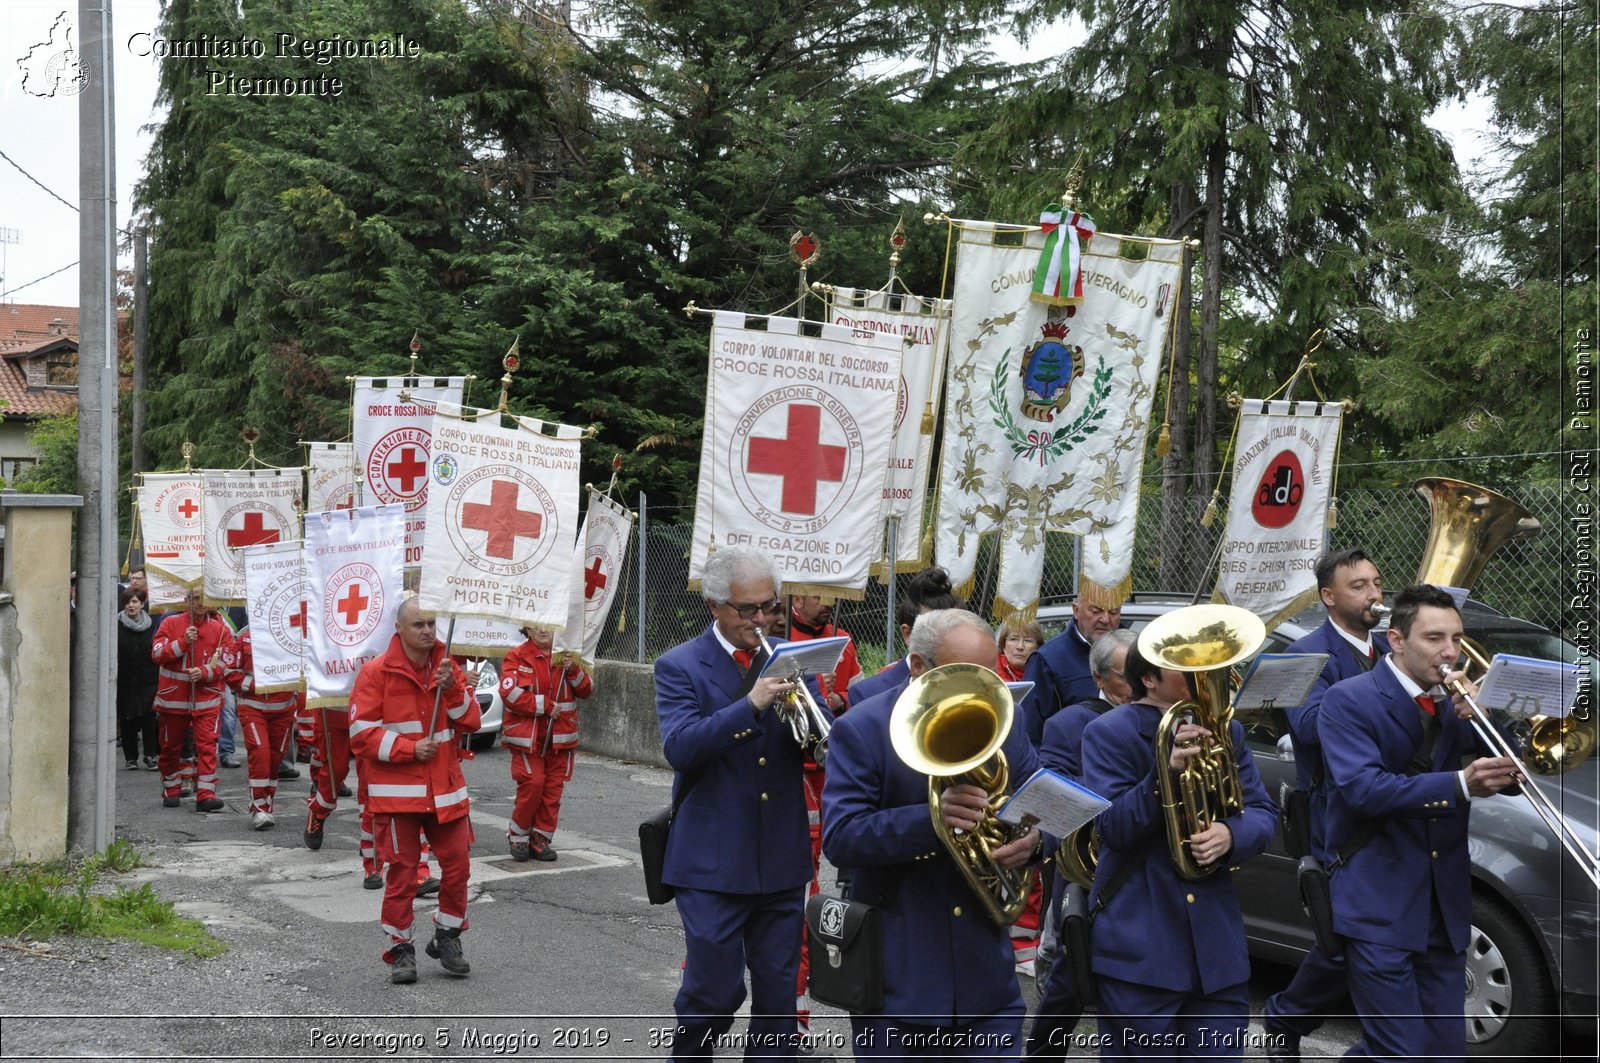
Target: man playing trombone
x,y
1396,831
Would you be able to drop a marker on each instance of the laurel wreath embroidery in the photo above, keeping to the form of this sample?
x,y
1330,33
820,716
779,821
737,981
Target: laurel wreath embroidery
x,y
1042,443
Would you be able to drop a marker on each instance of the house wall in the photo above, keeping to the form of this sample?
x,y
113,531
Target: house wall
x,y
15,448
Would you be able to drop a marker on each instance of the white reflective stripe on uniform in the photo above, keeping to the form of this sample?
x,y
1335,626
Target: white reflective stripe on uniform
x,y
263,706
813,817
449,922
455,797
262,784
392,789
386,746
163,703
461,709
357,726
170,674
564,740
538,704
566,706
513,740
405,727
445,735
397,933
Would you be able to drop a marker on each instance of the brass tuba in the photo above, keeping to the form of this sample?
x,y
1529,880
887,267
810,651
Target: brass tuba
x,y
1205,641
1467,525
949,725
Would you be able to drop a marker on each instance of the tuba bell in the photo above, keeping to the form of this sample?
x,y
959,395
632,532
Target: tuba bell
x,y
949,725
1205,641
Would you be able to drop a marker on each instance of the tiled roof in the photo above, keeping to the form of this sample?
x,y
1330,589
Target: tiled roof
x,y
27,328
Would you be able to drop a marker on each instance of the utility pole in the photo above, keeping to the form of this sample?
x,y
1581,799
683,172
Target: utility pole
x,y
91,791
141,345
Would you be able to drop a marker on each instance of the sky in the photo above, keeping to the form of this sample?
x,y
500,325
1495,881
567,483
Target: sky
x,y
39,135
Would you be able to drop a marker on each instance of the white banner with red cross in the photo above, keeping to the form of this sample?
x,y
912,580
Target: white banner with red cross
x,y
923,326
602,551
1047,409
795,448
244,507
330,476
275,584
503,505
392,425
354,578
171,522
1282,484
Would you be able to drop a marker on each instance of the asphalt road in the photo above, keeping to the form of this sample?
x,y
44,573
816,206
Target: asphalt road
x,y
568,958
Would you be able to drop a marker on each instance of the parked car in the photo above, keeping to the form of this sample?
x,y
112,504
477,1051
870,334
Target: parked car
x,y
490,707
1536,916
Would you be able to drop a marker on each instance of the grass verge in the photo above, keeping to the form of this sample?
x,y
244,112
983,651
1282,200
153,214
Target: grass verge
x,y
43,900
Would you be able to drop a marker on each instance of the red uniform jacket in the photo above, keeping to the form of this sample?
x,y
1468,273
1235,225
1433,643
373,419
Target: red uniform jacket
x,y
212,653
243,681
530,693
389,711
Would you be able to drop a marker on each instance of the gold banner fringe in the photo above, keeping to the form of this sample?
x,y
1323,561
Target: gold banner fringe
x,y
469,649
847,594
282,688
1105,597
1002,609
341,701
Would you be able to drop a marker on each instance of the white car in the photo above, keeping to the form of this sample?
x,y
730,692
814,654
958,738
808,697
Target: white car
x,y
489,705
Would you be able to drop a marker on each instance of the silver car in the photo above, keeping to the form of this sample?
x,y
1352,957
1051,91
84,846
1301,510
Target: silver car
x,y
489,705
1536,917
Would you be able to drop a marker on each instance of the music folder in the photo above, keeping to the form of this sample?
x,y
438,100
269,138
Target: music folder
x,y
1053,803
811,657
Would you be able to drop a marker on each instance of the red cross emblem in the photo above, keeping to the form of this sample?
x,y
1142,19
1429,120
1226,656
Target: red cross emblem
x,y
254,532
501,518
593,579
188,508
408,468
352,605
298,620
801,458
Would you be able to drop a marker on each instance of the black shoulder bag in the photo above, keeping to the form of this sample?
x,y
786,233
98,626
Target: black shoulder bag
x,y
846,941
1077,917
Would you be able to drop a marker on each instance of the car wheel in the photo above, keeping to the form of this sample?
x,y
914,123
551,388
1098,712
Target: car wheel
x,y
1509,1000
484,739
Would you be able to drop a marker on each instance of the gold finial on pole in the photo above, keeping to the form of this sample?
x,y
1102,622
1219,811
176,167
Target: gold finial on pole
x,y
416,350
250,435
511,361
1069,198
805,249
188,456
690,309
897,241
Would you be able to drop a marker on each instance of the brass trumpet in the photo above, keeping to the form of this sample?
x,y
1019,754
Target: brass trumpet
x,y
806,720
949,725
1205,641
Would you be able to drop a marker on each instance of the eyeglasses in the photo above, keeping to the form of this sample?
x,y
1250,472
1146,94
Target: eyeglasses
x,y
1118,674
748,612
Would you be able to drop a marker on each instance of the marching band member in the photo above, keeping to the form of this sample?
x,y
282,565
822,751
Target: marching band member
x,y
267,721
928,589
1059,1005
1168,954
949,978
414,782
1395,837
1349,586
737,853
194,650
540,694
1059,672
811,617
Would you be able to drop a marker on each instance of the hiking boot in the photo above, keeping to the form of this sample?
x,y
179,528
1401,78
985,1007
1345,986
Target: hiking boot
x,y
209,804
544,852
262,821
313,833
427,888
520,852
373,881
151,764
403,963
288,771
169,801
231,761
446,948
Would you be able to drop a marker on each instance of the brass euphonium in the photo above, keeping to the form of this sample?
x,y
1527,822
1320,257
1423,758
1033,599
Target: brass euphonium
x,y
1205,641
949,725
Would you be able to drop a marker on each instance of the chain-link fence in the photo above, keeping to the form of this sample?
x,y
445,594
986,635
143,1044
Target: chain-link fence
x,y
1391,525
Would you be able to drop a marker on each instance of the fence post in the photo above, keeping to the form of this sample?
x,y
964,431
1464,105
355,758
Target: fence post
x,y
644,553
891,555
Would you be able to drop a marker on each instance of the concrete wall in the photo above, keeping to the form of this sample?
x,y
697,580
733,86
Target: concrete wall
x,y
619,719
34,658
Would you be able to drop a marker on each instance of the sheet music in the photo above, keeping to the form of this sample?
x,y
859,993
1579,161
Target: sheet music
x,y
1053,803
812,657
1529,686
1019,690
1279,681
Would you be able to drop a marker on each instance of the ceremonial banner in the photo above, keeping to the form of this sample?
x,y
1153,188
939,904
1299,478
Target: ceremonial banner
x,y
602,551
795,449
244,507
1282,481
392,443
925,323
275,584
353,581
1047,409
171,520
504,509
331,480
474,636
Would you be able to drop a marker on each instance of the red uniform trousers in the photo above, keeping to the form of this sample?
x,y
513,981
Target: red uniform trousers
x,y
202,767
266,738
398,845
370,864
540,781
332,738
1025,931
